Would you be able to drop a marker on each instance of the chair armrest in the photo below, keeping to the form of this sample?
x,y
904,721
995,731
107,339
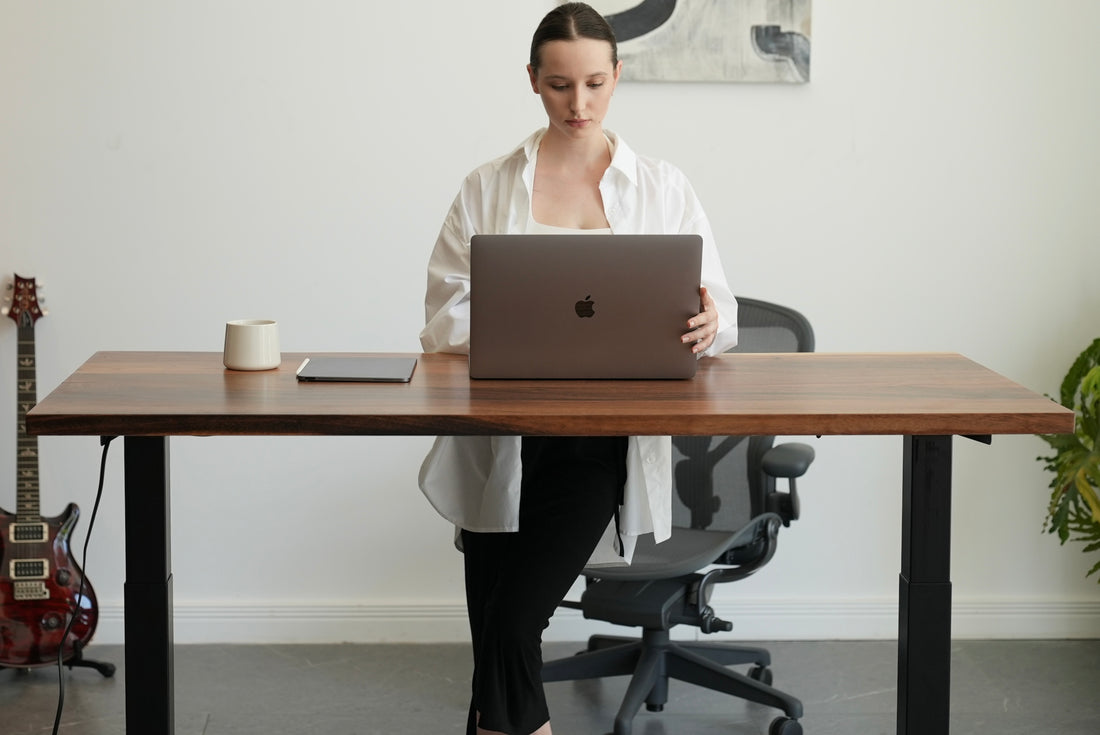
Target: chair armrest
x,y
788,460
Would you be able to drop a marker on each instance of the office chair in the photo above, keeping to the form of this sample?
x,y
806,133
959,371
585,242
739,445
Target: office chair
x,y
726,519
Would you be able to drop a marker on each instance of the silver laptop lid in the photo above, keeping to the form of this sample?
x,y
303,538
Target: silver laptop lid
x,y
583,306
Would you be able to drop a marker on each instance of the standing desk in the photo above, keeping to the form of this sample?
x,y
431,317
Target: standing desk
x,y
147,397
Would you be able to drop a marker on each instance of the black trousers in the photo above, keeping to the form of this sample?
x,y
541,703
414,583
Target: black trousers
x,y
571,489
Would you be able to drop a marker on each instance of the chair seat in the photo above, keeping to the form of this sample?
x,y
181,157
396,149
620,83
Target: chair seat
x,y
686,551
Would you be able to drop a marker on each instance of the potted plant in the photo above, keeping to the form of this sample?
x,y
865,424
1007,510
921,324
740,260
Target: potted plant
x,y
1074,511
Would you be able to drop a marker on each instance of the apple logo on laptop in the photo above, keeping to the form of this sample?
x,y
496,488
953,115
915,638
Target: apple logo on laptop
x,y
585,307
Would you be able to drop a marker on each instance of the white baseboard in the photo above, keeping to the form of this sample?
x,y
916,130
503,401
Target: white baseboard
x,y
786,619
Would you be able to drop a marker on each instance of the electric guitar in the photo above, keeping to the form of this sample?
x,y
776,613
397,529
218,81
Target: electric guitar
x,y
40,581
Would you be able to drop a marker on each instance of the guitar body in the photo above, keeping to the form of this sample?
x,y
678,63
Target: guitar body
x,y
44,612
39,591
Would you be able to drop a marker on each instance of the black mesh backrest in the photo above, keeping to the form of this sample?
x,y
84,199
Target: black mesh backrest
x,y
710,482
717,481
765,327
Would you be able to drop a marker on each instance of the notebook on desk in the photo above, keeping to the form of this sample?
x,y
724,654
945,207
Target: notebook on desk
x,y
356,369
583,306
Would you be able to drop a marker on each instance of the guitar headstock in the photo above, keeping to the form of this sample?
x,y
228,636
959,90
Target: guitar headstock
x,y
23,304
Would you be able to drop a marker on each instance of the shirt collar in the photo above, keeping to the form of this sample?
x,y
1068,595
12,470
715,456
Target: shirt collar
x,y
623,159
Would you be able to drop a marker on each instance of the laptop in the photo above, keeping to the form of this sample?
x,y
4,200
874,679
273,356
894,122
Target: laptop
x,y
583,306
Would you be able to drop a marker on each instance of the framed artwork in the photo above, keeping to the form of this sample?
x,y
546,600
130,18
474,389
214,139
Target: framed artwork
x,y
711,40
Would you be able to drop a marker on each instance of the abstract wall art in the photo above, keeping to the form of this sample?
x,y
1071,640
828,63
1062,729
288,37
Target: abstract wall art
x,y
711,40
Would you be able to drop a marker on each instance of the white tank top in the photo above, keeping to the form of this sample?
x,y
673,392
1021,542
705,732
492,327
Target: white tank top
x,y
537,228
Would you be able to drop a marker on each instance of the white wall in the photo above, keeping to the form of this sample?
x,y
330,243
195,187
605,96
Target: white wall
x,y
167,166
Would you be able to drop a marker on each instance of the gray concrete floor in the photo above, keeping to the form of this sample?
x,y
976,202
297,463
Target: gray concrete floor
x,y
847,688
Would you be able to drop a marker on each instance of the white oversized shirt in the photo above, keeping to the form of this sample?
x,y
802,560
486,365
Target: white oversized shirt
x,y
474,481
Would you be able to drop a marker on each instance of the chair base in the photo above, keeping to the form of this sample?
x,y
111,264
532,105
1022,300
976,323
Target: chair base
x,y
655,658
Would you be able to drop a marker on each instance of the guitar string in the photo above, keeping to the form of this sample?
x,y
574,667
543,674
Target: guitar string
x,y
106,442
26,450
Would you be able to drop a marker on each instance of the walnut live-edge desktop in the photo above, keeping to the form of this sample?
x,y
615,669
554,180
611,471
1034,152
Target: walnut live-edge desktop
x,y
146,397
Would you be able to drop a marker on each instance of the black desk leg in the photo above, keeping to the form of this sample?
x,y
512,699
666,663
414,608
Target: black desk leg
x,y
924,606
148,600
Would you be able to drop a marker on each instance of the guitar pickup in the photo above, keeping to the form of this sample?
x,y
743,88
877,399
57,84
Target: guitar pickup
x,y
29,568
28,533
31,591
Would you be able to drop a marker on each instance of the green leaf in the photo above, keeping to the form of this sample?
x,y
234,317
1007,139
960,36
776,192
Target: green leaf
x,y
1074,509
1087,493
1071,384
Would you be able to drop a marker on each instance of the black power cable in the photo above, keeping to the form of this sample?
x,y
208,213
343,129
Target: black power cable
x,y
106,442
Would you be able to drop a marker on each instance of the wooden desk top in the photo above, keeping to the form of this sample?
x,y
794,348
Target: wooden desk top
x,y
191,393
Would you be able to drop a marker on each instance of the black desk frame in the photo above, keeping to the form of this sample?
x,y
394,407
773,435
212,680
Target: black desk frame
x,y
924,612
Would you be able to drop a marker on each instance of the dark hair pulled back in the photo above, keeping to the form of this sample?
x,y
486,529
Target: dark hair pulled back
x,y
569,22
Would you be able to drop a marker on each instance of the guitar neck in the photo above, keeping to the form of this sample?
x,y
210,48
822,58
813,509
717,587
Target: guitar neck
x,y
26,481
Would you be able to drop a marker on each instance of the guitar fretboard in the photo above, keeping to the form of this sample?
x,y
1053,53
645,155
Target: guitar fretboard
x,y
26,482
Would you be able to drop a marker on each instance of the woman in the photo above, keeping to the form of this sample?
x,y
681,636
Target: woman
x,y
532,512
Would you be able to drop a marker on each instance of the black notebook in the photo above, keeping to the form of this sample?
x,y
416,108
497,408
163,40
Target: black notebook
x,y
357,369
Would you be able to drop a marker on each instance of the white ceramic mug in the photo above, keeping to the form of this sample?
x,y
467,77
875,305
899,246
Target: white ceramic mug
x,y
251,344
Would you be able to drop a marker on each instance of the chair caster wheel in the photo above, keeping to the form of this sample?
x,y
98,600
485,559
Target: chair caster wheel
x,y
761,674
655,708
785,726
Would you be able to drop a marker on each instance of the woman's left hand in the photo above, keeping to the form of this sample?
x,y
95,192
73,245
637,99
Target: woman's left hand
x,y
704,325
